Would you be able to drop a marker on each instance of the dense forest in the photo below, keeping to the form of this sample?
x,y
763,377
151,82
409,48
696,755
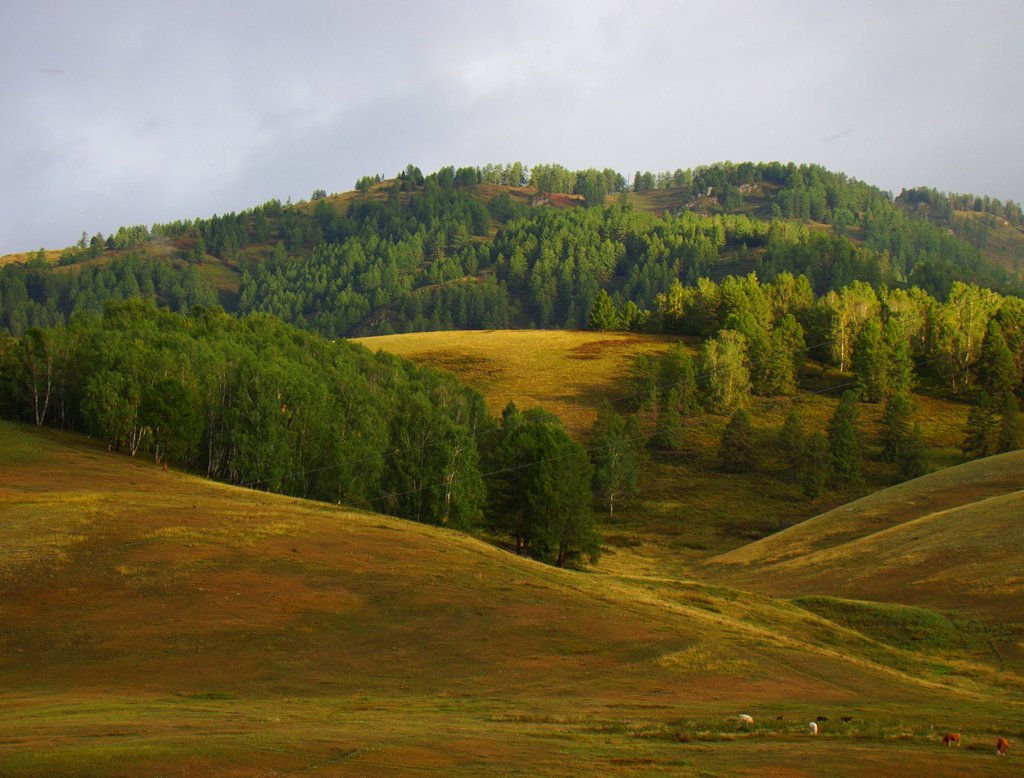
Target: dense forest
x,y
510,246
256,402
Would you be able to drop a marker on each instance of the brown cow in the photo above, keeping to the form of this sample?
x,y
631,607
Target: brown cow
x,y
1002,746
950,738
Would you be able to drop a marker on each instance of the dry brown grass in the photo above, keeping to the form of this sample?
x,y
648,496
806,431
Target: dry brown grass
x,y
173,625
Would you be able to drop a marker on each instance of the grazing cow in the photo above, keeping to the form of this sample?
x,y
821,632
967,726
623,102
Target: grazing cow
x,y
813,728
846,719
950,738
1002,746
822,718
745,719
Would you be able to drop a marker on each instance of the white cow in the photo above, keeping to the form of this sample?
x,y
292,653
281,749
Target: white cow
x,y
813,728
745,719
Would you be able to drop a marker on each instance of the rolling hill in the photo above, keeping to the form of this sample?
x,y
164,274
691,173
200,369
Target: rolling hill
x,y
950,540
160,623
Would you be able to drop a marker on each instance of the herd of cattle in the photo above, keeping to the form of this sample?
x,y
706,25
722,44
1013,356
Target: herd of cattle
x,y
1002,744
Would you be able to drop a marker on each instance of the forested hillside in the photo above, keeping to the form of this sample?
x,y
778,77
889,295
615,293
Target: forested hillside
x,y
256,402
503,246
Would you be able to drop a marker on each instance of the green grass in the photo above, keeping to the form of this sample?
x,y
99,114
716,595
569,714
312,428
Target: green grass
x,y
901,626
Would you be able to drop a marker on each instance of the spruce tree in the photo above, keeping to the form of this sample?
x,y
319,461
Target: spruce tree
x,y
603,316
792,443
1009,430
843,445
997,369
870,362
669,432
899,360
895,426
736,453
911,456
980,426
815,466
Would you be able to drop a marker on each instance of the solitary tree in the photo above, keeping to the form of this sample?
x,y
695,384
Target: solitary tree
x,y
815,467
736,453
895,426
911,457
792,443
616,449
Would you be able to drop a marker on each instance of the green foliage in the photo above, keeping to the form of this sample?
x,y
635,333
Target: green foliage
x,y
870,362
792,442
617,453
669,432
843,445
736,452
979,429
723,371
895,426
540,495
603,316
1009,428
911,457
253,401
997,369
815,465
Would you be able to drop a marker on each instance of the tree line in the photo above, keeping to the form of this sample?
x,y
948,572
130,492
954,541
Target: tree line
x,y
432,252
256,402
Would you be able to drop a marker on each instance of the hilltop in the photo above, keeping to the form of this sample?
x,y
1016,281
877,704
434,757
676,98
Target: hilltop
x,y
489,247
160,622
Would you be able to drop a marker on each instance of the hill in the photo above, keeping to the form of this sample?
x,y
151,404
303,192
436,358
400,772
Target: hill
x,y
160,623
474,248
687,508
951,540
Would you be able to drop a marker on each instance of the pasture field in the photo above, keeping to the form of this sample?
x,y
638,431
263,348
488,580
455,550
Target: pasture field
x,y
158,623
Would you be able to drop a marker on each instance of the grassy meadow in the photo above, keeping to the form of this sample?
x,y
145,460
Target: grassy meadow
x,y
159,623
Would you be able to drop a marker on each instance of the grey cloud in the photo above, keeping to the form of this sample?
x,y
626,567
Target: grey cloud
x,y
170,110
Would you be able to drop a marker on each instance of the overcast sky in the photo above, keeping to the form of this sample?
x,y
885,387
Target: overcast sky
x,y
141,112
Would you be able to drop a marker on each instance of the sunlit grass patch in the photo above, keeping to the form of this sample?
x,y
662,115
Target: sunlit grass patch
x,y
702,658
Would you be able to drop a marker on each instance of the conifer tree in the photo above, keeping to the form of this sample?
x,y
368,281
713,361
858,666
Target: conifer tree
x,y
669,431
870,362
736,453
899,360
792,443
911,457
895,426
1009,429
843,445
677,374
815,467
980,426
997,369
603,316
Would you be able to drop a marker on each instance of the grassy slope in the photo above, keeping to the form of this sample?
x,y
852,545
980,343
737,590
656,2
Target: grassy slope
x,y
159,623
687,509
950,540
